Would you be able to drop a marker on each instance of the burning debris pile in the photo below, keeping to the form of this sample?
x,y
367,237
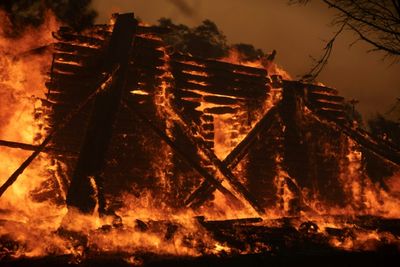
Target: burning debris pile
x,y
139,150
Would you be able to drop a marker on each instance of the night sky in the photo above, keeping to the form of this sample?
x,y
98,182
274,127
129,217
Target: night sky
x,y
296,32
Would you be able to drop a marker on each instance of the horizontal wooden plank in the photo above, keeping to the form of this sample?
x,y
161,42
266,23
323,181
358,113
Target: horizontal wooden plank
x,y
232,80
221,100
214,64
207,126
152,43
156,30
84,39
205,73
328,105
65,47
331,113
223,90
310,88
208,135
187,104
143,62
321,89
187,94
207,118
69,96
180,66
327,97
149,53
220,110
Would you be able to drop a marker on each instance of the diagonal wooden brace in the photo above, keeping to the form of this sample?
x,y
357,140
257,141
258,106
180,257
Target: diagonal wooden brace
x,y
202,193
190,130
183,155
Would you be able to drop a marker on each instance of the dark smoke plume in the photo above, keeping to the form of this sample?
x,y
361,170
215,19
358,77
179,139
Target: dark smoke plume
x,y
184,7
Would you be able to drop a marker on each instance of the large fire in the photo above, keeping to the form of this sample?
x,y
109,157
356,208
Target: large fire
x,y
35,220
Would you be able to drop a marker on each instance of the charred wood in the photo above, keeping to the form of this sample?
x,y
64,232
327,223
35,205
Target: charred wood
x,y
221,100
187,158
76,49
220,110
190,130
99,131
327,105
326,97
148,43
70,37
226,89
372,144
30,147
220,65
261,129
142,29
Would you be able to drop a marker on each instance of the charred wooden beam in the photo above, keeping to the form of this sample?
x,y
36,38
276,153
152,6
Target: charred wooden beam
x,y
249,92
143,53
202,220
67,98
61,56
147,69
219,78
327,97
221,100
188,104
220,110
149,62
62,82
75,49
35,51
69,68
260,129
61,75
9,182
239,76
370,143
30,147
190,130
326,104
71,37
143,29
183,155
150,43
182,67
187,94
333,114
230,82
203,192
220,65
99,131
312,89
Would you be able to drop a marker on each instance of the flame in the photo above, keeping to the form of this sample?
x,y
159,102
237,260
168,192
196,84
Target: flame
x,y
235,57
22,119
144,223
22,79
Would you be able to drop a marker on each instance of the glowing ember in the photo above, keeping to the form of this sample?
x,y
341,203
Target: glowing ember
x,y
217,127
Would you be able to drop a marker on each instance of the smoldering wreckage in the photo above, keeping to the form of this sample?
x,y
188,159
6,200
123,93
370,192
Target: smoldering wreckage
x,y
146,156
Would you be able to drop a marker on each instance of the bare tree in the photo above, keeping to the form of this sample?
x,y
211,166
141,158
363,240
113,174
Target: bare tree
x,y
376,22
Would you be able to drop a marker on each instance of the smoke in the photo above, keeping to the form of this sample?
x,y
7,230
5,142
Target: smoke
x,y
184,7
23,14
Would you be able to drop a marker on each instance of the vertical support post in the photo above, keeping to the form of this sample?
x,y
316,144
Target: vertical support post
x,y
82,193
296,154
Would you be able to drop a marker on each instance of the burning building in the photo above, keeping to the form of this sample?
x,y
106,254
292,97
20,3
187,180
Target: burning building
x,y
144,152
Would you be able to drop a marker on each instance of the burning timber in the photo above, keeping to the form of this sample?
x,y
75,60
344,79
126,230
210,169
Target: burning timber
x,y
160,158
